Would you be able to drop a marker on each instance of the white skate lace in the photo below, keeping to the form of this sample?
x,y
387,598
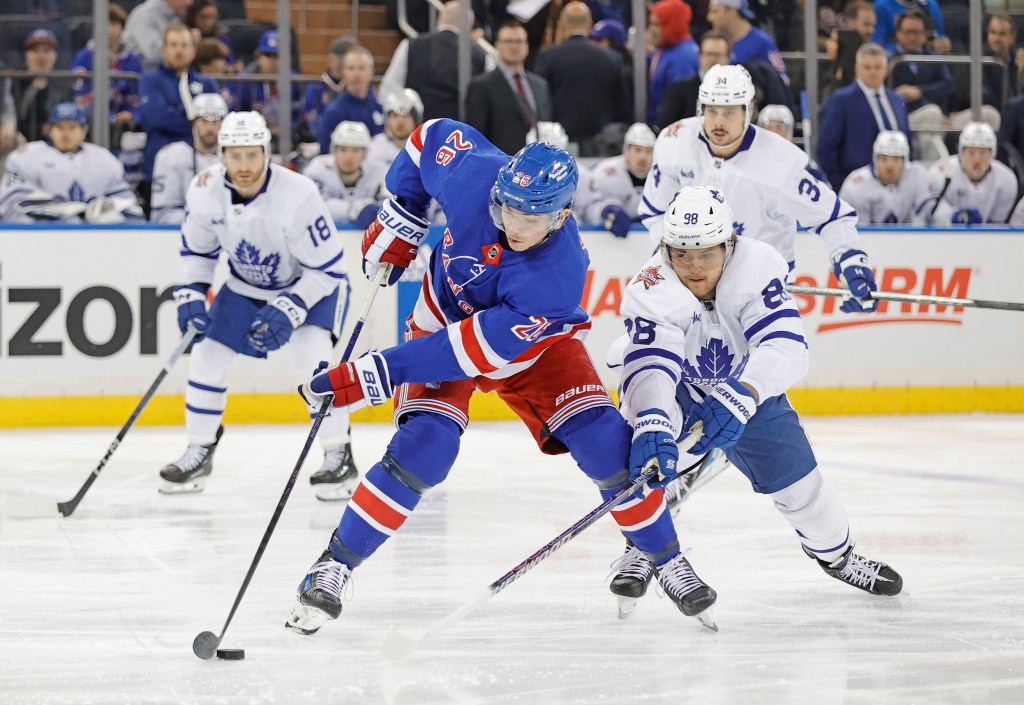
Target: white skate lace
x,y
860,571
677,577
334,458
673,491
333,577
192,458
633,564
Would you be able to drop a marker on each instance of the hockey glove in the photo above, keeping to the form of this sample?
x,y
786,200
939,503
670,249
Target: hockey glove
x,y
275,322
103,211
353,384
724,412
967,216
853,271
616,219
654,437
191,301
393,238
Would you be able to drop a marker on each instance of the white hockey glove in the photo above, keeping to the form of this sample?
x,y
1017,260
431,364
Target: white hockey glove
x,y
103,211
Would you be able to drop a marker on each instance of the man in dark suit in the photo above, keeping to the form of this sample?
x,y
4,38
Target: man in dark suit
x,y
680,99
505,103
855,114
588,82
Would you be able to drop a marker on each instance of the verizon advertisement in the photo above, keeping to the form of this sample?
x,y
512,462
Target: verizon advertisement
x,y
86,312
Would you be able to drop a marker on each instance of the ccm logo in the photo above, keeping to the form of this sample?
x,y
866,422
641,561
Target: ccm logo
x,y
577,391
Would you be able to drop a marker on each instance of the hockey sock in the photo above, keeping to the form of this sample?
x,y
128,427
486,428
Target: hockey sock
x,y
813,507
206,395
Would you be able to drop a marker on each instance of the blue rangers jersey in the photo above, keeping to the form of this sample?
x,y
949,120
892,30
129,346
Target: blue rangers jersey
x,y
283,240
494,311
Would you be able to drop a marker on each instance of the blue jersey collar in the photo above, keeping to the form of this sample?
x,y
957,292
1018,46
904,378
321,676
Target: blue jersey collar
x,y
748,139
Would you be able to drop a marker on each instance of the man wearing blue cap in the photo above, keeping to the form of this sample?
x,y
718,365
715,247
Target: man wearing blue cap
x,y
66,178
732,17
36,95
263,97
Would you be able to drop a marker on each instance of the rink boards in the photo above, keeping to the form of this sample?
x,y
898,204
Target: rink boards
x,y
87,320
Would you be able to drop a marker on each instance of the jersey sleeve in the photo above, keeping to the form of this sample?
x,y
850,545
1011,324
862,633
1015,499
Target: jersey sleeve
x,y
851,192
1006,194
662,183
816,206
315,243
16,185
168,196
200,246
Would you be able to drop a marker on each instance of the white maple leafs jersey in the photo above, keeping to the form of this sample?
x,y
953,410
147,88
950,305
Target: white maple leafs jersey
x,y
608,183
766,183
176,165
345,202
909,200
751,331
80,176
283,240
994,195
1017,217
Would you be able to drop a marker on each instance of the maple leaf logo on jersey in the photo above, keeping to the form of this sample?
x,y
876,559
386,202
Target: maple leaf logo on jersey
x,y
76,192
714,364
737,227
650,277
252,269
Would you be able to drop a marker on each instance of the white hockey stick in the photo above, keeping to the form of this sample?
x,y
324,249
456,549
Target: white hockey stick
x,y
908,298
398,645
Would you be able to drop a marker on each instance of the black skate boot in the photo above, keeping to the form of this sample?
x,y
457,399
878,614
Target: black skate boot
x,y
871,576
189,472
633,572
319,595
338,474
692,596
678,490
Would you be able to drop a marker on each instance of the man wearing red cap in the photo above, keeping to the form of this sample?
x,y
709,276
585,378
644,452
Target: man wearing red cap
x,y
35,96
676,53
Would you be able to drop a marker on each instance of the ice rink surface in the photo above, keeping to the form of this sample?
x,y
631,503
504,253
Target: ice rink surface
x,y
102,607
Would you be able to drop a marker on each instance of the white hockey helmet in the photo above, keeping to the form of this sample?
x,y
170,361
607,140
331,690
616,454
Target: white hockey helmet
x,y
209,106
697,218
244,129
891,143
776,113
640,135
350,133
978,134
551,132
404,101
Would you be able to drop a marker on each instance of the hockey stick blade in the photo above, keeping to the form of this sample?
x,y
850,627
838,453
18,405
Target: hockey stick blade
x,y
908,298
399,645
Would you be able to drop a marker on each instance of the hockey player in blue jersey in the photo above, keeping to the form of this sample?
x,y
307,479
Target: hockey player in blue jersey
x,y
498,311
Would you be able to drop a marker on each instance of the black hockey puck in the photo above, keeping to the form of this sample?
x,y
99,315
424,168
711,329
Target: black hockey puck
x,y
231,654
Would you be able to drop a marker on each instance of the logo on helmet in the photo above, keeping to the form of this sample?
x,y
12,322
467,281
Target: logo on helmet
x,y
559,170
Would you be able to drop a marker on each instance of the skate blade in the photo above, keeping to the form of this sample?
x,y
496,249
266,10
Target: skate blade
x,y
626,606
306,620
707,618
339,492
398,645
190,487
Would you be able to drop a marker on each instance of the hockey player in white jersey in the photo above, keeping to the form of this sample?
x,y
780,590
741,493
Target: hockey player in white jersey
x,y
616,184
178,162
892,189
287,285
779,119
403,112
66,179
764,175
713,337
351,188
980,190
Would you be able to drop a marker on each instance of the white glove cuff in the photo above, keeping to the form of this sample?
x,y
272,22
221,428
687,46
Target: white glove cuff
x,y
653,423
742,405
296,313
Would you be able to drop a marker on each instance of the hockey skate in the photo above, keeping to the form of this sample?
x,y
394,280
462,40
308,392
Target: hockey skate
x,y
338,475
319,595
871,576
188,473
633,572
690,594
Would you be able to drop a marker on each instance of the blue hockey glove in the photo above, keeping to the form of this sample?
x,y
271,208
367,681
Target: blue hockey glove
x,y
654,437
365,216
616,219
967,216
724,412
191,301
275,322
394,238
366,381
853,271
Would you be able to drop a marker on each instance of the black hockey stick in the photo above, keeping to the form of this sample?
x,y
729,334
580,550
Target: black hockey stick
x,y
398,645
205,644
66,508
909,298
947,172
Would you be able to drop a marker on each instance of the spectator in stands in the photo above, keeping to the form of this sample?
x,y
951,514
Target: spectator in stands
x,y
262,96
124,97
1000,39
854,115
889,11
35,97
166,96
331,86
1011,133
357,102
856,25
211,58
179,162
429,65
505,103
65,178
892,189
204,19
676,53
351,188
620,11
680,100
616,185
981,190
403,112
587,82
613,35
732,18
8,120
144,30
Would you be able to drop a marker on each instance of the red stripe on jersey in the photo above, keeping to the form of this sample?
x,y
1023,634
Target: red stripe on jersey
x,y
428,297
472,347
536,349
376,508
417,138
640,512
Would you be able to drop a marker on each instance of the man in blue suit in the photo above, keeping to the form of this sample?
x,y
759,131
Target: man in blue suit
x,y
854,115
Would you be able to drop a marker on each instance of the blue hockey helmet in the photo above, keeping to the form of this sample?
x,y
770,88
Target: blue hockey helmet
x,y
540,178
